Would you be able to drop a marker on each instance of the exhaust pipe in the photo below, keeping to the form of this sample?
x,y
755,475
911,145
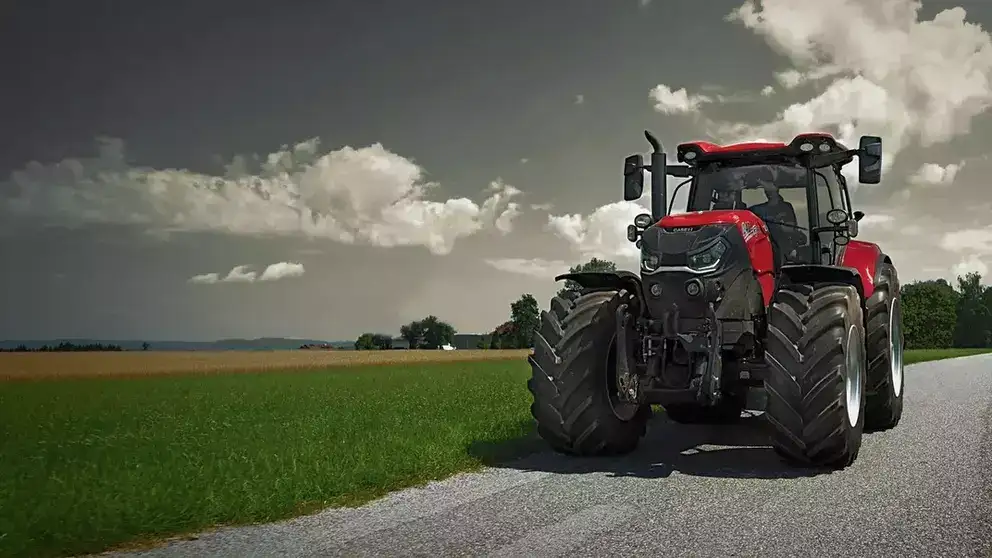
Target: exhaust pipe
x,y
659,184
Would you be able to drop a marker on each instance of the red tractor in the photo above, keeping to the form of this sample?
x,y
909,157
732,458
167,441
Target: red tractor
x,y
756,298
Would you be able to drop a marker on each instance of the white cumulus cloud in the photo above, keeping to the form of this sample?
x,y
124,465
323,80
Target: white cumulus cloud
x,y
932,174
366,195
205,279
668,101
880,220
971,264
245,274
893,74
533,267
969,240
602,233
240,274
282,270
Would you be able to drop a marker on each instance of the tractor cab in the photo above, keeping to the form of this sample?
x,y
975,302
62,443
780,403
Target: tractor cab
x,y
797,190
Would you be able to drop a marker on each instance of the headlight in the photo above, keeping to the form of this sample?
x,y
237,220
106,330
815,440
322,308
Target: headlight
x,y
708,258
649,262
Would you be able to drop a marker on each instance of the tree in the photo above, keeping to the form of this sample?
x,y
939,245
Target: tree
x,y
382,341
413,333
526,318
364,342
929,314
973,318
436,332
594,264
374,342
504,336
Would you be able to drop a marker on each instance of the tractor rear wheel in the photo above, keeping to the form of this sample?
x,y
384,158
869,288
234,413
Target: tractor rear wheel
x,y
883,316
815,351
576,403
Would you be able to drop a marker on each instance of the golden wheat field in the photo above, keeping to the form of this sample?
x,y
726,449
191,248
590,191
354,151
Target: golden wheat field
x,y
21,366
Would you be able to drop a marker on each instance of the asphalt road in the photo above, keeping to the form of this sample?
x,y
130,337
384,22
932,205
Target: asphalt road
x,y
922,489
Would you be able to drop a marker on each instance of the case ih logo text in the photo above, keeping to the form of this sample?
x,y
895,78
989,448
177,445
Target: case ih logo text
x,y
750,230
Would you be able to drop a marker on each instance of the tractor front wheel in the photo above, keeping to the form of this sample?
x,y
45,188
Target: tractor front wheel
x,y
573,381
816,378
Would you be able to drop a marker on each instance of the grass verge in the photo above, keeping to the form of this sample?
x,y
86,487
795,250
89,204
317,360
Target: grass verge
x,y
926,355
89,464
86,464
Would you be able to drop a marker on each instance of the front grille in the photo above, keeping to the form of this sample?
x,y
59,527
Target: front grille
x,y
669,260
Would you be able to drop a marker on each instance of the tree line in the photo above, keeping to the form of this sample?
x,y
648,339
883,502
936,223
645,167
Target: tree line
x,y
64,347
938,316
515,333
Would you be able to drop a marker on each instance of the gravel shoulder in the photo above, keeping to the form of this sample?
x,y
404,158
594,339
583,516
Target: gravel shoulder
x,y
922,489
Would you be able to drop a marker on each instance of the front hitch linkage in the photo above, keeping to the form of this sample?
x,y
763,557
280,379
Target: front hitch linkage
x,y
628,383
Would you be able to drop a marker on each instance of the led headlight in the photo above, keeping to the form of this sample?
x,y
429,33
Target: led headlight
x,y
709,257
649,262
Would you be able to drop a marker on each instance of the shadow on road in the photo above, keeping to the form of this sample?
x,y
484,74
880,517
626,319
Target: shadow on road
x,y
741,451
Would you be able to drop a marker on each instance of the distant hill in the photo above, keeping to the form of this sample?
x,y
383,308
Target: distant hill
x,y
260,344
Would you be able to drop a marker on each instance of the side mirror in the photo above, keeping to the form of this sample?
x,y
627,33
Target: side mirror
x,y
858,215
633,177
870,160
852,229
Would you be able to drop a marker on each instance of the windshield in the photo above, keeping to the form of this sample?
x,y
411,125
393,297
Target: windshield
x,y
776,193
748,186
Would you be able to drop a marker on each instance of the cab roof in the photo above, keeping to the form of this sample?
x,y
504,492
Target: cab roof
x,y
814,143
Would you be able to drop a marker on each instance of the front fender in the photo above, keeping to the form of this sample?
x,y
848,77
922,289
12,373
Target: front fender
x,y
816,273
607,280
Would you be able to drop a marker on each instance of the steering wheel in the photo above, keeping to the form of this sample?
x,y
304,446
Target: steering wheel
x,y
799,235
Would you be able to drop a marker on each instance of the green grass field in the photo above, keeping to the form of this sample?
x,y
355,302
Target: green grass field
x,y
87,464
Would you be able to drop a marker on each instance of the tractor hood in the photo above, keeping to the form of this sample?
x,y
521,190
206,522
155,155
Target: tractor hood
x,y
712,217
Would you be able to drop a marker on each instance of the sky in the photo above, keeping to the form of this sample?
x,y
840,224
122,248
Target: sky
x,y
201,170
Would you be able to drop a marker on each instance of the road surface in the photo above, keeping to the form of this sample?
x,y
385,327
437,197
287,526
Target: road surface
x,y
922,489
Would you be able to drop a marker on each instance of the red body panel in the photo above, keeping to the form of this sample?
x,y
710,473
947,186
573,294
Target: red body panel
x,y
862,256
754,231
708,148
750,146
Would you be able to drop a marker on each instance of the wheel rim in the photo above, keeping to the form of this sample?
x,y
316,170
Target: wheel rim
x,y
854,370
623,410
895,347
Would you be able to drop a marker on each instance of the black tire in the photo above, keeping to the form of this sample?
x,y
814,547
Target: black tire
x,y
573,378
885,342
815,339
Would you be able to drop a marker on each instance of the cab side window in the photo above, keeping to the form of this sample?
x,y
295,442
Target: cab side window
x,y
829,195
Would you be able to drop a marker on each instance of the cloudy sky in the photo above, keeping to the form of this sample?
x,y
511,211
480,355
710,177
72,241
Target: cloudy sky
x,y
197,170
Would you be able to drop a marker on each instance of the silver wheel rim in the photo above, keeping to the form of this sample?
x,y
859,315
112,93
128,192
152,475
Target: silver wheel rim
x,y
854,370
895,347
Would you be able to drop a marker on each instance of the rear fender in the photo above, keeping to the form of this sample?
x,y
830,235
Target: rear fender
x,y
608,280
814,273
